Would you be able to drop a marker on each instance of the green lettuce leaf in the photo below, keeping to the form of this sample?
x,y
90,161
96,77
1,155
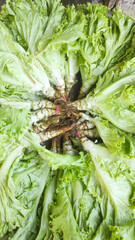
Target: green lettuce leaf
x,y
115,102
45,228
8,45
103,32
63,220
120,70
110,174
13,123
68,31
28,21
14,75
71,69
119,35
89,194
92,49
24,178
101,186
117,141
54,66
23,73
123,232
112,187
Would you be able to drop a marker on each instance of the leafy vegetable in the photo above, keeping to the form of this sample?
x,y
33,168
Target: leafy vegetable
x,y
67,122
115,101
22,174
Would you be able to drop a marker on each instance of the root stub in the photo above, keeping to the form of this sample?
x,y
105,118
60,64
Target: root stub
x,y
65,120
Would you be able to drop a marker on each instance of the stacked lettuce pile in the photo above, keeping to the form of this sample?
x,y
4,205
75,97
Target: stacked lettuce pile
x,y
81,184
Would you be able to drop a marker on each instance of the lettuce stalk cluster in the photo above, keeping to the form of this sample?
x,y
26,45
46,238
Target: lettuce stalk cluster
x,y
67,122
